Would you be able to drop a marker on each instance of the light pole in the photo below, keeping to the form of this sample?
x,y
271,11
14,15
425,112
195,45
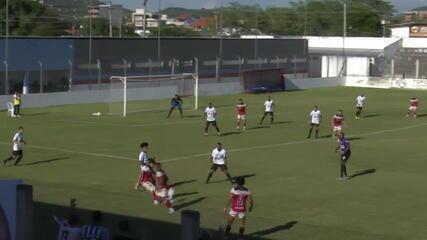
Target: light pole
x,y
6,51
90,37
144,5
256,33
158,29
221,28
41,76
110,18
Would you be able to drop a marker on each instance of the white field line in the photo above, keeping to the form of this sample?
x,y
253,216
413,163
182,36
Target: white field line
x,y
207,154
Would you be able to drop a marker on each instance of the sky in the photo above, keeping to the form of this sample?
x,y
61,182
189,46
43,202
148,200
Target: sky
x,y
401,5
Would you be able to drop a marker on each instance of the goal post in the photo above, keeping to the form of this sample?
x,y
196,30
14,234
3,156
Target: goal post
x,y
130,94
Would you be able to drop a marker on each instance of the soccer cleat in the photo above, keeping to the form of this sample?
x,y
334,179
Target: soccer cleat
x,y
156,202
171,210
244,128
219,134
4,163
206,134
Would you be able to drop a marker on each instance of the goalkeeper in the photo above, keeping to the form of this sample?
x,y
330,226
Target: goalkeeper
x,y
176,102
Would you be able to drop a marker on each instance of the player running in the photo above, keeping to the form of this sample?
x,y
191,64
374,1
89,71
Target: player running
x,y
360,100
345,153
413,106
269,110
143,162
315,119
18,143
176,102
238,198
337,123
241,115
210,114
163,192
219,160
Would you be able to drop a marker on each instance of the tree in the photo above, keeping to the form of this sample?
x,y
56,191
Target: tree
x,y
173,31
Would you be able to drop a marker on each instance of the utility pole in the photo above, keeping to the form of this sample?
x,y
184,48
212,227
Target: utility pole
x,y
305,17
6,51
221,28
144,7
159,21
344,35
110,18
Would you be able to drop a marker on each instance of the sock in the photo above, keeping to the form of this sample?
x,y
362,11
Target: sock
x,y
317,133
241,231
168,204
309,132
227,230
209,177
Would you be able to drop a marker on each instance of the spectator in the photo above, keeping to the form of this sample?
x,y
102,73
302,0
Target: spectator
x,y
95,231
69,229
124,231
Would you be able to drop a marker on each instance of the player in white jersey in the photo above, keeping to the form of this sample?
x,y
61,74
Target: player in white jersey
x,y
315,119
269,110
18,142
219,160
69,229
143,159
360,100
210,114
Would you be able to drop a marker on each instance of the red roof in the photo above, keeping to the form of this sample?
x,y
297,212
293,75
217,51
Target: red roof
x,y
200,23
183,17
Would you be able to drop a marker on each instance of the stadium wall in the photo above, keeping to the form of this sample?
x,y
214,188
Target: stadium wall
x,y
8,195
307,83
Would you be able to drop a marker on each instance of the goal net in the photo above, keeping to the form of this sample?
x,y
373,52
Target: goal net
x,y
133,94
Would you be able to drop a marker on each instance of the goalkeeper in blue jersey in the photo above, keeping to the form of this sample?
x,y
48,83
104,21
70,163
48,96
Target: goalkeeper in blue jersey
x,y
176,102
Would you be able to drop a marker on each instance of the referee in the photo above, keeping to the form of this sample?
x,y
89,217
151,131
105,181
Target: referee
x,y
345,153
18,142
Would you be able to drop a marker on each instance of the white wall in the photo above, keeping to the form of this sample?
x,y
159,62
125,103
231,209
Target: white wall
x,y
307,83
350,42
400,32
414,43
357,66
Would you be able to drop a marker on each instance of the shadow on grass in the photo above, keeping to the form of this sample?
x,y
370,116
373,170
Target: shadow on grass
x,y
422,115
234,177
363,172
355,138
230,133
184,194
258,127
193,116
189,203
37,114
45,161
326,136
275,229
183,182
281,122
372,115
141,228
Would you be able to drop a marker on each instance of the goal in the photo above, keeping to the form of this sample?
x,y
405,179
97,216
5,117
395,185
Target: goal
x,y
133,94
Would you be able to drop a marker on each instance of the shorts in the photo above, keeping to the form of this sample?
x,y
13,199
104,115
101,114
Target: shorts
x,y
315,124
359,107
163,193
337,128
208,123
176,106
149,186
412,108
240,215
345,156
17,153
268,113
215,167
241,117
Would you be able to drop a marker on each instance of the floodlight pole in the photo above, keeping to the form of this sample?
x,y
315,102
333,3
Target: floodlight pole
x,y
158,30
41,76
343,39
110,18
6,50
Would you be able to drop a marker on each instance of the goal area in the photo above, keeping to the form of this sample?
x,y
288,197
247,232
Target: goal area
x,y
133,94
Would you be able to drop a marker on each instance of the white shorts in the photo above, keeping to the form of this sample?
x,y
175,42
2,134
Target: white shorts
x,y
337,128
241,117
240,215
163,193
149,186
412,108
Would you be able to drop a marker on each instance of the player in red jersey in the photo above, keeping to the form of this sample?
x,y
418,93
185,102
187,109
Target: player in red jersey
x,y
238,199
164,193
337,123
413,106
241,114
147,180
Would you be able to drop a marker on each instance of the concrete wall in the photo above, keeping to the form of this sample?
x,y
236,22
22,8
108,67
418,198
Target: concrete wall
x,y
401,32
414,43
350,42
307,83
8,203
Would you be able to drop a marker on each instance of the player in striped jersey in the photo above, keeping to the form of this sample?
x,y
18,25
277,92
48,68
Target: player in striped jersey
x,y
239,196
95,231
143,159
241,115
69,229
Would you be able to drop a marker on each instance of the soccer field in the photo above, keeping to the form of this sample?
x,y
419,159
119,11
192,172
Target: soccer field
x,y
71,154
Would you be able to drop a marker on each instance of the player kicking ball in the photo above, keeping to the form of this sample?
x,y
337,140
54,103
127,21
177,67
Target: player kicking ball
x,y
17,144
219,160
176,102
269,110
413,106
345,153
238,198
315,119
163,192
337,123
241,115
210,114
360,100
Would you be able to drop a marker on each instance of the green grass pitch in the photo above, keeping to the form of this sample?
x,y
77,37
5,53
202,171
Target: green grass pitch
x,y
71,154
